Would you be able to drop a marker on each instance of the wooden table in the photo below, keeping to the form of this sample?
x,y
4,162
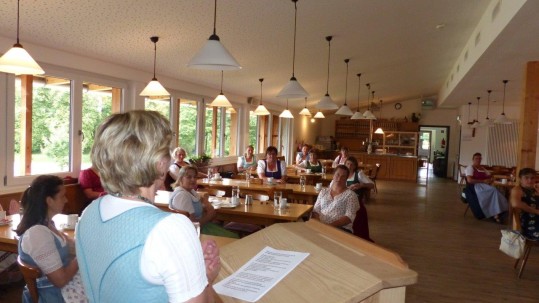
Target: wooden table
x,y
340,268
9,239
242,184
258,213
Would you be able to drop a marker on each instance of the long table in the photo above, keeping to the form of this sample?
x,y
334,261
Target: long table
x,y
340,268
260,213
308,190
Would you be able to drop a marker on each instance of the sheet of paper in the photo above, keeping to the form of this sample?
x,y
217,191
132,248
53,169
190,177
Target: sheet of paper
x,y
260,274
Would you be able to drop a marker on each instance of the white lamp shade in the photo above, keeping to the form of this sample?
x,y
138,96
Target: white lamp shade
x,y
305,112
368,115
154,88
214,56
326,103
357,115
18,61
379,130
231,110
220,101
344,111
286,114
261,110
502,119
293,90
319,115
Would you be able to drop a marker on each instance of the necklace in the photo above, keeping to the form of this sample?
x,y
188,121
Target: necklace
x,y
138,197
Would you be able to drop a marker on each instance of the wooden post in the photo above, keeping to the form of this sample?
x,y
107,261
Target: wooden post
x,y
233,134
527,143
26,124
116,100
214,132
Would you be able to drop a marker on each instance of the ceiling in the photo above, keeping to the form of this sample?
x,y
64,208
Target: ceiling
x,y
395,44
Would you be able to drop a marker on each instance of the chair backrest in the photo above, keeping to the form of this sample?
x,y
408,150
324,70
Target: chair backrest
x,y
30,275
515,218
218,190
374,173
360,225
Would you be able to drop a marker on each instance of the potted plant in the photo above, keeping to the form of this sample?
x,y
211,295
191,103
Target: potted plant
x,y
201,161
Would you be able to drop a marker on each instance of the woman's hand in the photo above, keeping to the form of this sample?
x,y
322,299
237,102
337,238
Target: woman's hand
x,y
211,259
355,186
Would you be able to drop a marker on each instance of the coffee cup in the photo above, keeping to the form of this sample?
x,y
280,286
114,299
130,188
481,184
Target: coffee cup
x,y
217,176
308,170
235,201
504,181
270,180
318,186
2,214
72,221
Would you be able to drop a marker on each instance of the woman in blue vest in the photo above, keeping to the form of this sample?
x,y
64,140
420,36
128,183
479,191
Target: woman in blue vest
x,y
248,160
42,245
128,249
271,167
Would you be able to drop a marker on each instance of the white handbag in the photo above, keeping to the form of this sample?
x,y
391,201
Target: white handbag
x,y
512,243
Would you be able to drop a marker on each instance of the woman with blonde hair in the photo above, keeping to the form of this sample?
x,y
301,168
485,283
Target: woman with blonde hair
x,y
128,249
248,160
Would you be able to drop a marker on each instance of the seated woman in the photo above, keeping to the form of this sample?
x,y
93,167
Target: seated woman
x,y
491,201
526,198
43,246
128,249
186,201
303,155
341,158
271,167
312,162
91,183
357,180
337,205
248,160
179,155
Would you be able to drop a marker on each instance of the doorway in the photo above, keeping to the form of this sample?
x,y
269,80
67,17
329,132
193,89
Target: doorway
x,y
434,145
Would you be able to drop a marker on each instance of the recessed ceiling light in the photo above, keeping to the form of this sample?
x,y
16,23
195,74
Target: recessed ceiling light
x,y
440,26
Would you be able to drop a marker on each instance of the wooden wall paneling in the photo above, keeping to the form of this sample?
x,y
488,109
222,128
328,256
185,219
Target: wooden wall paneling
x,y
527,143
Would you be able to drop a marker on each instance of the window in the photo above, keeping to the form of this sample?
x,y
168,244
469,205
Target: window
x,y
187,128
98,102
159,104
253,126
212,126
230,132
42,125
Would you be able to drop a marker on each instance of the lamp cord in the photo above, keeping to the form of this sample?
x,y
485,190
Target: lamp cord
x,y
221,82
214,17
477,111
368,85
488,102
154,57
503,104
358,89
18,16
261,80
329,56
295,23
346,85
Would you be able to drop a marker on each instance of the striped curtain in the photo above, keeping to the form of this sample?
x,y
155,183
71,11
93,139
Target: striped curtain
x,y
503,144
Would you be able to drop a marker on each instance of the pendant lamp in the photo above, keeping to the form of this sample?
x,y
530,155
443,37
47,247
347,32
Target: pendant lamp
x,y
358,115
379,130
319,115
305,111
214,55
17,60
475,122
326,102
368,114
261,110
469,115
154,88
488,122
345,110
502,119
293,89
221,100
231,110
286,113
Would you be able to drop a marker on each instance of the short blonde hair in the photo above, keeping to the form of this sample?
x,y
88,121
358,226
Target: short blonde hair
x,y
177,150
183,172
127,149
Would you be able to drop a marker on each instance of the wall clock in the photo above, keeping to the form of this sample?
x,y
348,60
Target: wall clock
x,y
398,106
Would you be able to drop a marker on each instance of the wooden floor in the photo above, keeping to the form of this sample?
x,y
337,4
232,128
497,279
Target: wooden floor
x,y
456,257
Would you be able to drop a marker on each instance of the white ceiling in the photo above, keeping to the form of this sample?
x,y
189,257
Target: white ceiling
x,y
394,43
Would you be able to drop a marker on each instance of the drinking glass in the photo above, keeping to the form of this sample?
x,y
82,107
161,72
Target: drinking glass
x,y
302,181
209,173
247,175
277,199
323,171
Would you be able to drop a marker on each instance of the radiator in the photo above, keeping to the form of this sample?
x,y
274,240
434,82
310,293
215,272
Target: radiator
x,y
503,144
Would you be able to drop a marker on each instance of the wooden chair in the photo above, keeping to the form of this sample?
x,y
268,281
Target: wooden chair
x,y
223,190
374,175
30,274
462,176
245,229
528,243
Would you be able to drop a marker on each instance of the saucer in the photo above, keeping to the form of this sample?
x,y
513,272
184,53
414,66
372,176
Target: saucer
x,y
66,227
227,205
216,179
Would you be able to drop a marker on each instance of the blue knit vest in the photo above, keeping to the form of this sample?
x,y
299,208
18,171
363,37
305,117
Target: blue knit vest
x,y
109,255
